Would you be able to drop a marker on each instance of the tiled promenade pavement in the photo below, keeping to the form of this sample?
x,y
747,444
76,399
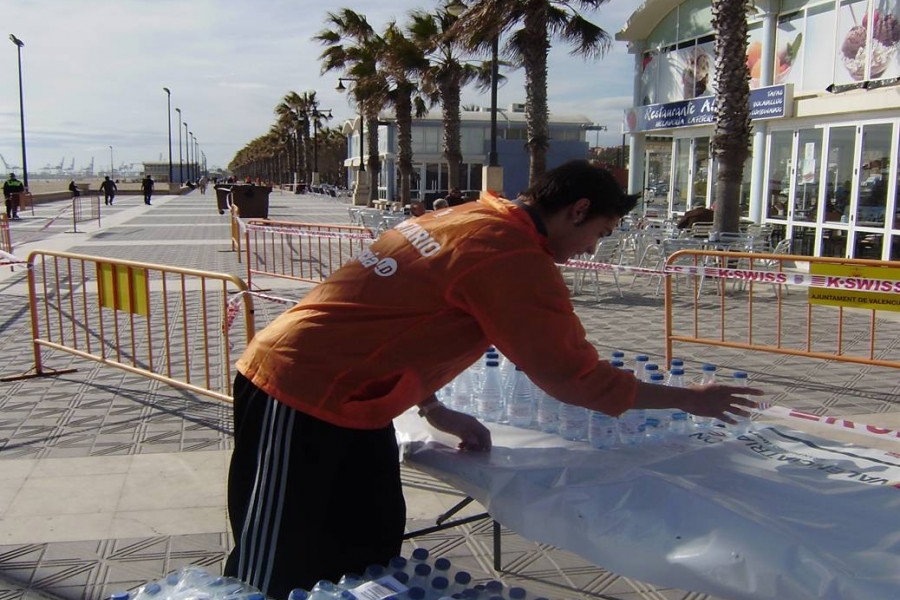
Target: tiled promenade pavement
x,y
109,480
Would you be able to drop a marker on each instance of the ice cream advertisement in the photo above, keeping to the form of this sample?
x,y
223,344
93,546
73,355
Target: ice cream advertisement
x,y
868,36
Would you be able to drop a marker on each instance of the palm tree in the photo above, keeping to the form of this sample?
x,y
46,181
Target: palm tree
x,y
401,63
731,141
353,47
445,77
540,20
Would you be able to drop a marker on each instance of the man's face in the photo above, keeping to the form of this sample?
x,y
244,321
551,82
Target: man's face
x,y
581,237
417,209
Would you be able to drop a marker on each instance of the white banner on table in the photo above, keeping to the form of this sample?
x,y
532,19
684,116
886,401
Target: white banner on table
x,y
775,514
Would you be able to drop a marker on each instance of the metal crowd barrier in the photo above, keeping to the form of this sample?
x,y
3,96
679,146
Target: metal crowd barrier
x,y
301,251
236,234
162,322
5,238
814,307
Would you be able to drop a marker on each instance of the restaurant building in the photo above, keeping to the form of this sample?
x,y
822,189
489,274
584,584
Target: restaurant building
x,y
825,111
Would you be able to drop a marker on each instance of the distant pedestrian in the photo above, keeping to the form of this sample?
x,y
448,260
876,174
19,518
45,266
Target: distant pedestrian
x,y
109,188
147,188
12,188
204,181
74,189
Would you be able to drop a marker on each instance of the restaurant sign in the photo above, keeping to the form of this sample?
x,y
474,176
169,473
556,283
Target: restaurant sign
x,y
771,102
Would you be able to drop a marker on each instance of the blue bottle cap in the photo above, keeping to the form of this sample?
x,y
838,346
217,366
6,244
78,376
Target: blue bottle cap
x,y
492,356
374,571
641,358
493,363
491,349
657,377
345,595
709,367
423,570
119,596
324,584
651,367
470,593
518,368
629,371
398,562
617,364
516,593
677,371
172,578
298,594
618,354
256,596
739,375
420,554
677,362
440,583
462,577
442,564
493,585
416,593
152,589
402,577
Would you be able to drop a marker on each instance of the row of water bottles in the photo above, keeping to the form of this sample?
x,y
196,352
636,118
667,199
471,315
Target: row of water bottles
x,y
192,583
495,390
415,578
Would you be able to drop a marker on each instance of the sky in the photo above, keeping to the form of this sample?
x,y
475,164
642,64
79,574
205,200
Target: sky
x,y
94,71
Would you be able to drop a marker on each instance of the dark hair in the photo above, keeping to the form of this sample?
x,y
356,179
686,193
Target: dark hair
x,y
567,183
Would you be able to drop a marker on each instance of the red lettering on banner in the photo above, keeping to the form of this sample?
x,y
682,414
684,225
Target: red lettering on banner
x,y
833,420
803,415
833,282
879,430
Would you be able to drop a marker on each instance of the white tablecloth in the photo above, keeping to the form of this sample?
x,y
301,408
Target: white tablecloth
x,y
773,515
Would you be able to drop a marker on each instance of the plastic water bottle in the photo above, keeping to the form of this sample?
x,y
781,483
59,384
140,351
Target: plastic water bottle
x,y
708,375
640,361
461,392
547,412
461,581
298,594
326,590
573,422
618,355
351,580
679,423
603,430
421,576
657,420
741,379
489,402
520,400
438,587
649,370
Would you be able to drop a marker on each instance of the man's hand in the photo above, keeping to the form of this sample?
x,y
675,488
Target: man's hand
x,y
472,434
719,401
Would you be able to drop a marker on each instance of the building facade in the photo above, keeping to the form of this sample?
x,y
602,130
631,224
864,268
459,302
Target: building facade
x,y
825,110
429,172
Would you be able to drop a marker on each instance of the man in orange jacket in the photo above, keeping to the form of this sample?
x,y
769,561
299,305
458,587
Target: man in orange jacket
x,y
314,485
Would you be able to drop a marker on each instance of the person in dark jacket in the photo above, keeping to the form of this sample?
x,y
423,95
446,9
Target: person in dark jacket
x,y
698,214
109,188
147,188
12,187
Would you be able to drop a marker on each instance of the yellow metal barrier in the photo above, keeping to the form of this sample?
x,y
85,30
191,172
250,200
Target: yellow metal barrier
x,y
162,322
301,251
236,236
815,307
5,238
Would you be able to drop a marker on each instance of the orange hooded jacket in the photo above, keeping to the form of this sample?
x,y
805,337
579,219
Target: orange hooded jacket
x,y
422,304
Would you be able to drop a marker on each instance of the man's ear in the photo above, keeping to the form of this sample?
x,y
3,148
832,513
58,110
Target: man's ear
x,y
579,210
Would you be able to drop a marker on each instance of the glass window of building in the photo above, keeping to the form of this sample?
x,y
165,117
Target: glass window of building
x,y
694,19
432,140
806,175
666,32
874,170
682,175
700,185
839,174
779,178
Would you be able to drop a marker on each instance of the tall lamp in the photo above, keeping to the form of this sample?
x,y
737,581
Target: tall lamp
x,y
180,163
112,165
19,45
169,123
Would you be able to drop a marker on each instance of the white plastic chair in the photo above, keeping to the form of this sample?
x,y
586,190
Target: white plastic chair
x,y
608,251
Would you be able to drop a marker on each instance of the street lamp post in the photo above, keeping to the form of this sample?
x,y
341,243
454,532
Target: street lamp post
x,y
361,193
187,153
169,123
19,44
180,163
112,167
316,114
191,157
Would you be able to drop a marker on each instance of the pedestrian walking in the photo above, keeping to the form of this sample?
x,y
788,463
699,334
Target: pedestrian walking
x,y
109,188
147,188
12,189
204,181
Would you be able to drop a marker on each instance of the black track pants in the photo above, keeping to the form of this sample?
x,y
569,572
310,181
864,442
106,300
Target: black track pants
x,y
308,500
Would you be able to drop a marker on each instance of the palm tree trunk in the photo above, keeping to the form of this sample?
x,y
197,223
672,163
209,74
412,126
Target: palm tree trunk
x,y
536,118
731,142
404,142
450,93
374,164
